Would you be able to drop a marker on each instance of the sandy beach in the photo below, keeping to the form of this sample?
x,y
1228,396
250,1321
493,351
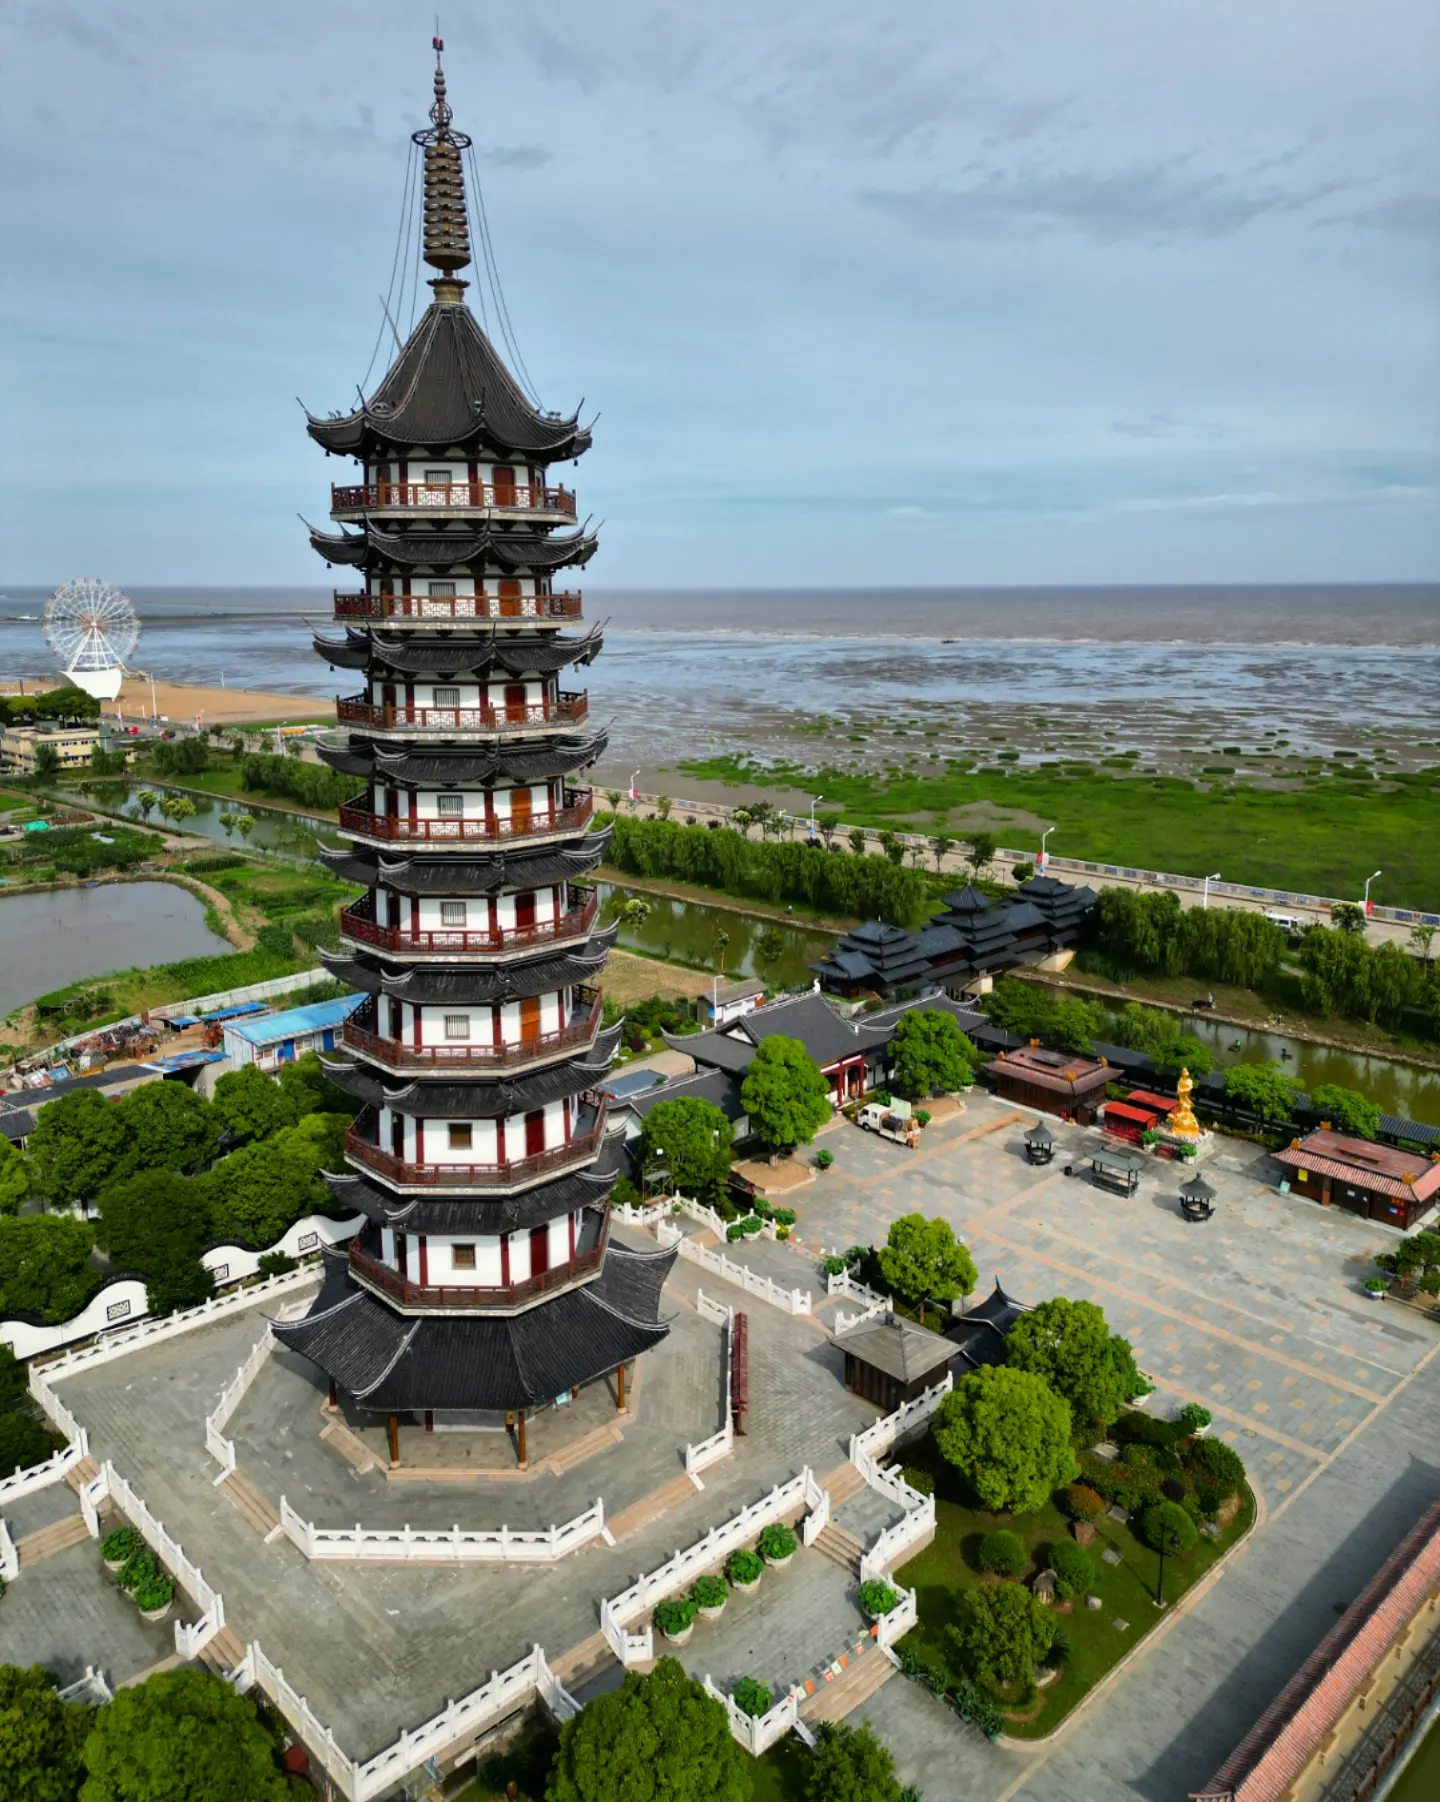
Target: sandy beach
x,y
183,702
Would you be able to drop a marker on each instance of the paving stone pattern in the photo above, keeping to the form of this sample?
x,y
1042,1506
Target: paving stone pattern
x,y
67,1613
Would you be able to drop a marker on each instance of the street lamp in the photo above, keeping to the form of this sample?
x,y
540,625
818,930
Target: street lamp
x,y
1213,877
1368,881
633,796
1040,866
814,800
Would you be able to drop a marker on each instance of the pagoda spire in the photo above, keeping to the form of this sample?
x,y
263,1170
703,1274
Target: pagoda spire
x,y
447,231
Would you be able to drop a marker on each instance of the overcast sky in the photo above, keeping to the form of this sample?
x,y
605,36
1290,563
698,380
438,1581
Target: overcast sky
x,y
1009,291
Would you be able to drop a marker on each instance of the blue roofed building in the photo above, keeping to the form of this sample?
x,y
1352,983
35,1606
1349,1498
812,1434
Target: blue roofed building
x,y
270,1040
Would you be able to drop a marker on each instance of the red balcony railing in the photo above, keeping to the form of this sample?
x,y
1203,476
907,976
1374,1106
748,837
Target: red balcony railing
x,y
517,716
575,816
436,608
359,1034
451,497
444,1295
358,923
576,1150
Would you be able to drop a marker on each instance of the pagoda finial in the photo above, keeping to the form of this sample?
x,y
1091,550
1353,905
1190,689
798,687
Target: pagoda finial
x,y
447,232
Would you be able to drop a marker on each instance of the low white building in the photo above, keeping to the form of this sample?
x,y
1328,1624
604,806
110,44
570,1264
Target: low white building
x,y
270,1040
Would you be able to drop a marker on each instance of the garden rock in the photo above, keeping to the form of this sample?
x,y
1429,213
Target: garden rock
x,y
1107,1449
1121,1626
1045,1675
1084,1531
1092,1601
1044,1585
1209,1529
1110,1555
1116,1513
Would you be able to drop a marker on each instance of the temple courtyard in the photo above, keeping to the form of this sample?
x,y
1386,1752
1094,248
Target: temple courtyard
x,y
1259,1314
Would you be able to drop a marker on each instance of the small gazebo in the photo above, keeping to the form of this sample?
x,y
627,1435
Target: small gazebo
x,y
1039,1144
1119,1170
891,1361
1197,1198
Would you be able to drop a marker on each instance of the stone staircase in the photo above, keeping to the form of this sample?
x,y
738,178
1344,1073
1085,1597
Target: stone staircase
x,y
223,1652
580,1449
856,1684
255,1507
82,1473
50,1540
843,1482
840,1547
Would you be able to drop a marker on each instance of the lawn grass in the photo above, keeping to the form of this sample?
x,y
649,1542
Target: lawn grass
x,y
226,782
1311,839
1126,1590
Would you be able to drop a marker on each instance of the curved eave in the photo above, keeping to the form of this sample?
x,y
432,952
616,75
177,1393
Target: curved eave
x,y
363,759
448,875
473,652
428,986
447,1100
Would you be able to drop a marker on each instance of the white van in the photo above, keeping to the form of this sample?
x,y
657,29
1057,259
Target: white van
x,y
1291,923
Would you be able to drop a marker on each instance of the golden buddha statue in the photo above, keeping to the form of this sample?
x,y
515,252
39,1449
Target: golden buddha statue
x,y
1182,1121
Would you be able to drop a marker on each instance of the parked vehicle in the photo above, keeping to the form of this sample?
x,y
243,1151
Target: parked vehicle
x,y
876,1118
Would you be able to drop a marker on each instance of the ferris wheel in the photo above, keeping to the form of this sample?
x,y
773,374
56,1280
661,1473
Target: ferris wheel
x,y
92,629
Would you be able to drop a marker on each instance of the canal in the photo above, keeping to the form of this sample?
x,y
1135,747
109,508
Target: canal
x,y
274,828
50,940
714,938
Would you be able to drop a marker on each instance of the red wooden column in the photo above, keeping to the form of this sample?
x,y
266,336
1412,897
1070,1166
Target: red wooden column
x,y
620,1389
520,1437
334,1400
394,1440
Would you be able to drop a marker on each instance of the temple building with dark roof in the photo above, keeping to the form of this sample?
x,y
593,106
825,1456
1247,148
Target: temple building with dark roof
x,y
972,939
483,1283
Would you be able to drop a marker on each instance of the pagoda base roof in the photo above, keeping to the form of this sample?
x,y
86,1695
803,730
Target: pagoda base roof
x,y
390,1362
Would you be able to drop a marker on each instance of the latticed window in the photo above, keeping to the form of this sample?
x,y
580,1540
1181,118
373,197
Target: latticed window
x,y
457,1026
442,591
447,697
452,913
437,478
460,1136
462,1257
450,807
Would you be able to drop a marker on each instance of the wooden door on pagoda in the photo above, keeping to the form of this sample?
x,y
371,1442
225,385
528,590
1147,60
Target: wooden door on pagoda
x,y
530,1010
510,607
535,1133
504,479
515,709
525,910
520,810
389,700
539,1244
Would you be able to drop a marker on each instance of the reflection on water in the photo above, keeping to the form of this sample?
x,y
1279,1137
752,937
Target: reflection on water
x,y
293,833
689,932
1407,1090
50,940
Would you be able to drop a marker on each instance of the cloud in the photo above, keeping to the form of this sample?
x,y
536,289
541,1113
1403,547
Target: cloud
x,y
518,157
907,513
1411,215
1215,503
1164,425
1154,201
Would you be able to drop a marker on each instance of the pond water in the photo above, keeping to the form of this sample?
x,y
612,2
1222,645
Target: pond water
x,y
274,830
1407,1090
50,940
688,932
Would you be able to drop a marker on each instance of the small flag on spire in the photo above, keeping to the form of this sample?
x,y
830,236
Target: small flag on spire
x,y
437,43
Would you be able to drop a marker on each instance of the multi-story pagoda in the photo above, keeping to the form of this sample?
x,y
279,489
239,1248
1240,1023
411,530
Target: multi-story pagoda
x,y
483,1284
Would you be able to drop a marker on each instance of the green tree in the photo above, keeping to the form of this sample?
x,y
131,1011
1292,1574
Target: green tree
x,y
24,1442
929,1053
1003,1631
308,1090
182,1736
1069,1344
784,1095
891,846
47,762
77,1147
856,840
167,1126
829,825
770,945
257,1193
245,825
251,1105
147,801
850,1765
1021,873
691,1138
157,1225
14,1178
40,1737
1147,1029
980,849
1008,1434
1343,1108
941,846
658,1738
176,808
1074,1023
45,1266
1167,1524
14,1381
1185,1052
1262,1089
922,1260
1349,916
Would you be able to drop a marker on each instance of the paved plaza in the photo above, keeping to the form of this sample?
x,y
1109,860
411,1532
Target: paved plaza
x,y
1259,1314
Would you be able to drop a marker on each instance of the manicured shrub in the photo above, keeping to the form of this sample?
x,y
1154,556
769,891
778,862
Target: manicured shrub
x,y
1081,1502
751,1697
709,1592
762,1207
921,1481
832,1267
1001,1632
877,1597
1168,1523
157,1592
1221,1464
824,1158
675,1614
1209,1498
744,1567
777,1542
24,1441
276,1263
1134,1427
123,1543
785,1216
1071,1563
782,1233
1002,1554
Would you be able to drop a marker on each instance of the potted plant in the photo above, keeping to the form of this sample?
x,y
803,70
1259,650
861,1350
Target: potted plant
x,y
1195,1420
138,1569
777,1544
1375,1287
877,1598
922,1117
118,1547
744,1570
785,1217
782,1232
824,1158
154,1596
833,1267
676,1618
751,1697
1142,1397
709,1595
